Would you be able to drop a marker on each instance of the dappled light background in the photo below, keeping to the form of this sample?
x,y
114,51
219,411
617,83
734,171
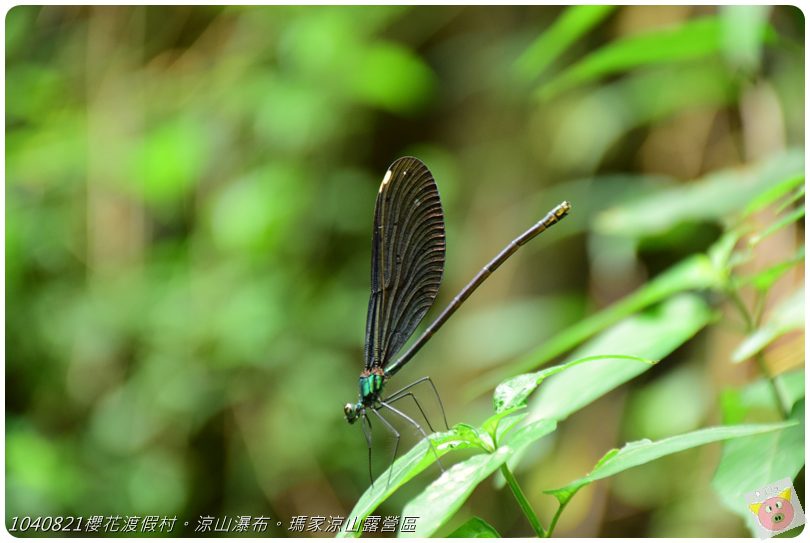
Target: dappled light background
x,y
189,198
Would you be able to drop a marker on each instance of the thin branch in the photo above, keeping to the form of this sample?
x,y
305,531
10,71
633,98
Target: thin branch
x,y
751,324
557,517
522,501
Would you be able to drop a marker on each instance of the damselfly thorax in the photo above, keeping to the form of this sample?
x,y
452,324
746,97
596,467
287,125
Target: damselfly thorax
x,y
371,386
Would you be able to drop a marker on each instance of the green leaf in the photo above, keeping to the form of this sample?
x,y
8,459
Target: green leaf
x,y
752,462
444,496
657,409
774,193
407,466
784,221
493,424
641,452
757,399
791,385
512,394
696,272
764,280
476,436
648,96
786,317
447,493
567,29
475,527
528,433
797,195
721,252
651,335
713,197
647,336
509,423
743,28
690,40
462,436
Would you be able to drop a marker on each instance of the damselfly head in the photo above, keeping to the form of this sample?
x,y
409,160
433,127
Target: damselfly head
x,y
351,412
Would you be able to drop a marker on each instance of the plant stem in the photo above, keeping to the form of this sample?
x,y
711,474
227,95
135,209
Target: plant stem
x,y
522,501
751,324
759,310
763,369
557,517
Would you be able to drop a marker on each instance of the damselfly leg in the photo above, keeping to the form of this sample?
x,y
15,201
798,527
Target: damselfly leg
x,y
367,433
399,393
397,437
396,445
419,429
418,406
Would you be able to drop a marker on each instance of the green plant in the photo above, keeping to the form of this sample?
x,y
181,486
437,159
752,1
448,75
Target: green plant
x,y
678,315
749,204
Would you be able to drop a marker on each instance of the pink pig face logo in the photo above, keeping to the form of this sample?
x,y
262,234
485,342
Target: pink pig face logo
x,y
775,514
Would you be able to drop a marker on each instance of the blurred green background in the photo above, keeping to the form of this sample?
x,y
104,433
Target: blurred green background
x,y
189,198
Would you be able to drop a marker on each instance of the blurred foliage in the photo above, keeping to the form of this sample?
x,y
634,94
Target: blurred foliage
x,y
189,194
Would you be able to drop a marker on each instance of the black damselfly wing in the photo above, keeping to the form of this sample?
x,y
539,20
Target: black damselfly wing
x,y
407,258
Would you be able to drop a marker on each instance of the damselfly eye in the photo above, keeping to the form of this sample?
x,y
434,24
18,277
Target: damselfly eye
x,y
350,412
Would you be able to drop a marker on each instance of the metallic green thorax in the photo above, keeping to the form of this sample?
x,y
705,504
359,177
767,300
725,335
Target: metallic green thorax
x,y
370,387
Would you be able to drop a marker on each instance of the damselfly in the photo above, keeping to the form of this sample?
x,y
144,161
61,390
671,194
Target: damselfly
x,y
407,262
